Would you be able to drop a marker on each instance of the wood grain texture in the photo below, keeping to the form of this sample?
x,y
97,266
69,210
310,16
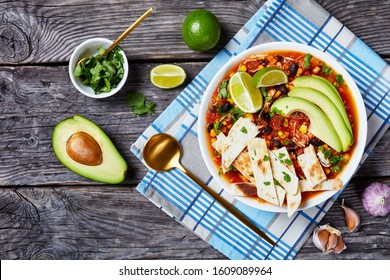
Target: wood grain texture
x,y
64,216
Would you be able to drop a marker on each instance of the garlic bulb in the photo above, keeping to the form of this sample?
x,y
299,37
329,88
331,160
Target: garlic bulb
x,y
352,218
328,239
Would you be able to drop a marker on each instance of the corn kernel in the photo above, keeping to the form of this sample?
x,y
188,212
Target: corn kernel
x,y
260,67
285,122
223,129
230,100
327,170
212,133
299,72
281,134
347,156
224,122
326,146
242,68
229,126
217,98
278,93
249,116
316,70
303,128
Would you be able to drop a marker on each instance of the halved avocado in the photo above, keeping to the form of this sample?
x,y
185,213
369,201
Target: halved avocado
x,y
330,110
85,148
320,126
324,86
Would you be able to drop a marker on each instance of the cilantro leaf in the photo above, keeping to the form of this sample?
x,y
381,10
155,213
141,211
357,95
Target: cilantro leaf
x,y
306,61
137,102
326,70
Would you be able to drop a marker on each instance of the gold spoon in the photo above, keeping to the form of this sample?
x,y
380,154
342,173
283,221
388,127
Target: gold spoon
x,y
162,152
123,35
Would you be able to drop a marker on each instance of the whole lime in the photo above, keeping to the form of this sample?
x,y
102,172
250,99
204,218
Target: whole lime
x,y
201,30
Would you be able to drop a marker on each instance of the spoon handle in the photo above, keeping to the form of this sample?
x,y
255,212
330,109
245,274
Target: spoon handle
x,y
127,31
228,206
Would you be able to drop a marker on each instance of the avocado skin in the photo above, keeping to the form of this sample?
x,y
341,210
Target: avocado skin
x,y
330,110
323,85
112,170
320,125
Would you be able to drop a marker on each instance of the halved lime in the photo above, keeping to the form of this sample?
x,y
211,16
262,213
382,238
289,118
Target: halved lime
x,y
246,97
167,76
269,76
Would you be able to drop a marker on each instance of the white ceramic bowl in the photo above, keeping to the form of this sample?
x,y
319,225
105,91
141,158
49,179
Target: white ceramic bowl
x,y
360,139
89,48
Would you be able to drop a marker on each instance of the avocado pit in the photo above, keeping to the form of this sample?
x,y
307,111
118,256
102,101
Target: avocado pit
x,y
83,148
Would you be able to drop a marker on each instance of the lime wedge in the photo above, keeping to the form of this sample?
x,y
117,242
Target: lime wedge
x,y
167,76
246,97
269,76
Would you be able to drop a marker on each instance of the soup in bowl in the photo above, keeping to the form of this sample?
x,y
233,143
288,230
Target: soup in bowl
x,y
282,127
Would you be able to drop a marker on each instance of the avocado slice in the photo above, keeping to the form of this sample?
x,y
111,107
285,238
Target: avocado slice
x,y
85,148
320,126
330,110
324,86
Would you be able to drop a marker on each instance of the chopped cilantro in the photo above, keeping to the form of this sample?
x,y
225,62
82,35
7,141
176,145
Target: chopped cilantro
x,y
327,153
306,61
254,152
138,105
251,175
339,78
288,161
335,159
286,177
276,182
267,183
278,111
236,113
244,130
266,158
326,70
223,93
102,74
217,127
335,169
282,155
286,141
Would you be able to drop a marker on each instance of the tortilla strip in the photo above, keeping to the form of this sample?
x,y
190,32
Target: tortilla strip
x,y
239,135
261,166
242,162
283,155
326,185
311,166
293,202
283,175
281,194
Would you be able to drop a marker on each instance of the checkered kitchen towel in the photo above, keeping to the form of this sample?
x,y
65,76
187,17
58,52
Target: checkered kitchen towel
x,y
302,21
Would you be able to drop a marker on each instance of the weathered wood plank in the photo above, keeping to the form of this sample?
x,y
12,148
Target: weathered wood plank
x,y
48,31
71,223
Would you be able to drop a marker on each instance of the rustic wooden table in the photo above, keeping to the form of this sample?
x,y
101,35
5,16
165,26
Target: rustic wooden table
x,y
48,212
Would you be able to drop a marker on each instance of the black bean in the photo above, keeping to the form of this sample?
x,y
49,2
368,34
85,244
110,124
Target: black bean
x,y
292,147
276,143
265,130
214,109
263,61
226,106
210,126
293,68
267,117
283,89
279,58
316,142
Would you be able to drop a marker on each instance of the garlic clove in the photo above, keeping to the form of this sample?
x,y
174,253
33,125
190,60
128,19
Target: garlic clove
x,y
352,218
340,246
332,242
328,239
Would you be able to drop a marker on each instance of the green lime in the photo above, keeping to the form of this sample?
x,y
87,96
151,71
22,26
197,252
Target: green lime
x,y
269,76
167,76
246,97
201,30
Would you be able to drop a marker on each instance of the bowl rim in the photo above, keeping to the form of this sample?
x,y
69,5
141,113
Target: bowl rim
x,y
353,163
78,53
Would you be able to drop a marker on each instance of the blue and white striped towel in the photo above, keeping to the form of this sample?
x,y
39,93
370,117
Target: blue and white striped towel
x,y
278,20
